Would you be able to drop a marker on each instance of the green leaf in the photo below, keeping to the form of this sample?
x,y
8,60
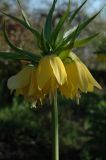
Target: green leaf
x,y
71,44
61,22
66,40
43,42
81,27
83,42
32,57
67,33
62,41
33,30
23,14
48,23
12,55
70,20
76,44
76,11
84,24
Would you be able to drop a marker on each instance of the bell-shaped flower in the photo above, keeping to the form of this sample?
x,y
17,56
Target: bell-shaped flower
x,y
79,78
25,83
51,74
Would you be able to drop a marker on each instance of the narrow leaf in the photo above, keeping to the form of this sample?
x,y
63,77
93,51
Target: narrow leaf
x,y
67,33
33,30
48,23
66,40
23,14
61,22
76,44
43,42
27,54
63,41
81,27
83,42
84,24
12,55
76,11
71,43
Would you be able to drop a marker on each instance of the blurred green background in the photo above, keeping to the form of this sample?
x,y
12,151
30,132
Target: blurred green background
x,y
25,132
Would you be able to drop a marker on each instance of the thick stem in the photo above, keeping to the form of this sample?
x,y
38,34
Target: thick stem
x,y
55,141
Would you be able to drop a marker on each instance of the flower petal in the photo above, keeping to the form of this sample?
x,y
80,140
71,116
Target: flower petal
x,y
33,88
90,88
21,79
22,91
66,90
82,78
58,69
91,79
44,72
51,68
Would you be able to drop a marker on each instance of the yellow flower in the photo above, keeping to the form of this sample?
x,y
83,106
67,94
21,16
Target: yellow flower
x,y
35,84
51,74
79,79
25,84
70,77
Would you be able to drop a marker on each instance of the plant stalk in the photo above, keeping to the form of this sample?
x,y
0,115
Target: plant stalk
x,y
55,141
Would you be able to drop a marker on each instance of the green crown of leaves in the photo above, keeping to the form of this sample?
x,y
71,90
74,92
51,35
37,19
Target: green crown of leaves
x,y
49,40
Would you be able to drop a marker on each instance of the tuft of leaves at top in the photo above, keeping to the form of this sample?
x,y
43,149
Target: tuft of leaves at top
x,y
47,39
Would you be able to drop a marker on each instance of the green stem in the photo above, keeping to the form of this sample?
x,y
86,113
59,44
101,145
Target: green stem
x,y
55,142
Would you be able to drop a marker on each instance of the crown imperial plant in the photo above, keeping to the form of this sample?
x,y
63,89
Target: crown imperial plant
x,y
56,67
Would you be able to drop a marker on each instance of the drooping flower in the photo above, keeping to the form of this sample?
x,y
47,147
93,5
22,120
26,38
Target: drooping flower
x,y
35,83
25,84
51,74
79,78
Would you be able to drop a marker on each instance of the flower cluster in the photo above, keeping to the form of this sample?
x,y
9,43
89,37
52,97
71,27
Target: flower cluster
x,y
70,76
